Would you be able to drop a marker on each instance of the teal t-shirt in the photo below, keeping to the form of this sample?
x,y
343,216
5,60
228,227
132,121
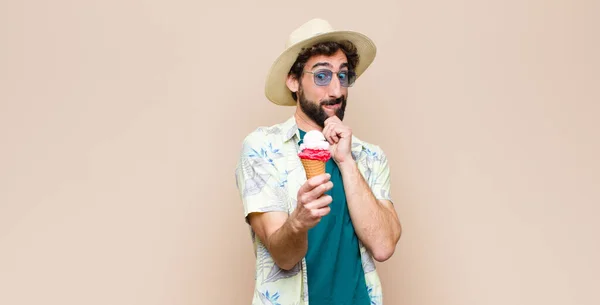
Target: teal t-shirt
x,y
334,267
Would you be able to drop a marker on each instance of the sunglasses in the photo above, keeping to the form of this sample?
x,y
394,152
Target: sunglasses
x,y
323,77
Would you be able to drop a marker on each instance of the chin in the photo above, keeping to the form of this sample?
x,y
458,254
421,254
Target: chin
x,y
329,112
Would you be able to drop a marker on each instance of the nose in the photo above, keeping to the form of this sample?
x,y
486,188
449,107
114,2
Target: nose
x,y
335,88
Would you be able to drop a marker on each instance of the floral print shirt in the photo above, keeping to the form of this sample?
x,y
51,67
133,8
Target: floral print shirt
x,y
268,176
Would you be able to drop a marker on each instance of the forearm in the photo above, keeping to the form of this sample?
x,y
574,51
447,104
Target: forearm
x,y
287,245
375,225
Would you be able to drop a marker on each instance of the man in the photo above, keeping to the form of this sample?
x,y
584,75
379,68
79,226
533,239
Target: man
x,y
316,240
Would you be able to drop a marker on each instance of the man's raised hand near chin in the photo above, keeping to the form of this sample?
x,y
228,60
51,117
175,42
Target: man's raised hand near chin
x,y
375,221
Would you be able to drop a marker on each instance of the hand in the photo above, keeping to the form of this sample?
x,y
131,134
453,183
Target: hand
x,y
340,138
312,204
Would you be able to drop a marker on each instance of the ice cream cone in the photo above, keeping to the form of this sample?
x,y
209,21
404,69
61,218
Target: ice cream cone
x,y
313,167
314,153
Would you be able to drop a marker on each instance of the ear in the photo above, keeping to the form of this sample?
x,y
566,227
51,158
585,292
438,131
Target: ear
x,y
292,83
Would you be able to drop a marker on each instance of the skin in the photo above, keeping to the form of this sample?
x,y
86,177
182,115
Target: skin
x,y
375,221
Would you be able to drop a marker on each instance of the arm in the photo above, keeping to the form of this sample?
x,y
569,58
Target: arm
x,y
375,221
285,242
266,205
286,237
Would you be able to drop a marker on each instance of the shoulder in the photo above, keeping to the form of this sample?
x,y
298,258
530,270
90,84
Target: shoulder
x,y
373,164
364,149
262,136
264,142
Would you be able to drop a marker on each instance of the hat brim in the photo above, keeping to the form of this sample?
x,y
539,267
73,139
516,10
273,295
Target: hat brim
x,y
276,89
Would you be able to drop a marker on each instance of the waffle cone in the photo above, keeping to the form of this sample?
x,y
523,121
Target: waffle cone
x,y
313,167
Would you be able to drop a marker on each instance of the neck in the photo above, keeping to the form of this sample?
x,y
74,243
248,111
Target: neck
x,y
304,122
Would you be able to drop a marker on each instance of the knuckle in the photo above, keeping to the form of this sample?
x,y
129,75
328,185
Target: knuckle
x,y
309,183
315,181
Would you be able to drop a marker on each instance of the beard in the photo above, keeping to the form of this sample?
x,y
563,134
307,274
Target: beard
x,y
316,112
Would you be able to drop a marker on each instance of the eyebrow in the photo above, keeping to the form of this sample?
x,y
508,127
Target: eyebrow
x,y
326,64
322,64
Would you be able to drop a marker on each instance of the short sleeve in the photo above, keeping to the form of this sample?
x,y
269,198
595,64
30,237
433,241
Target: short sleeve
x,y
257,180
381,185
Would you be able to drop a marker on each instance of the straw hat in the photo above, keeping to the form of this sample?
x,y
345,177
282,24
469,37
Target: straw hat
x,y
308,34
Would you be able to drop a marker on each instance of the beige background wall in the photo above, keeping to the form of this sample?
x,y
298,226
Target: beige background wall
x,y
121,121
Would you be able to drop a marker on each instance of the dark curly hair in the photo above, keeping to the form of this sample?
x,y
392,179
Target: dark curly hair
x,y
327,48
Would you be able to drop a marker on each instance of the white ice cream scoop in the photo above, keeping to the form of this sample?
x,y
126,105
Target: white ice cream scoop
x,y
314,139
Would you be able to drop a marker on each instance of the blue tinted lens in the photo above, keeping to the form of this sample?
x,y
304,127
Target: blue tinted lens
x,y
343,76
322,77
349,78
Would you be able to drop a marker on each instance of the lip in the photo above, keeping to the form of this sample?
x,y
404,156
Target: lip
x,y
332,107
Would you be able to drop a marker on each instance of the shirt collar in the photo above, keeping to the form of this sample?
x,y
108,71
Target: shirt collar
x,y
290,129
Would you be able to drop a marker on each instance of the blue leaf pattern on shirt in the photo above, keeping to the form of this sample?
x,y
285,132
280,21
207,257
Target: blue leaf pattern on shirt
x,y
375,299
270,299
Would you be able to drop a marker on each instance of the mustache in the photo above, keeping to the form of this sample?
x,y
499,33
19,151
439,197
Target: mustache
x,y
332,102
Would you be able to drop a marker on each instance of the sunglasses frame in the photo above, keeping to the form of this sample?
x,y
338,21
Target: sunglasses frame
x,y
350,74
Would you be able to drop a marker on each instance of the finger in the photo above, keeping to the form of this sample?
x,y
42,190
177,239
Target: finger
x,y
322,211
332,119
319,203
330,135
313,182
335,133
345,132
326,132
317,192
